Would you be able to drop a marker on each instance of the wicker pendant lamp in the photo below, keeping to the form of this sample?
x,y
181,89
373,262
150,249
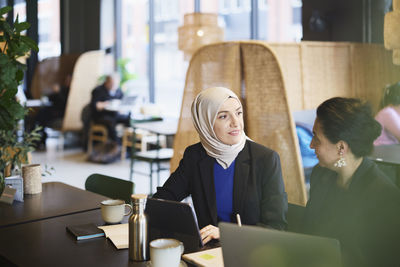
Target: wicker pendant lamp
x,y
198,29
392,31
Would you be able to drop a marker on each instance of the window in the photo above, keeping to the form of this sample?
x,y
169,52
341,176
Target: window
x,y
279,20
49,28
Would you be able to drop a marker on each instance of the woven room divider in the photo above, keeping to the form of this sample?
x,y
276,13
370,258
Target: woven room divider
x,y
251,70
316,71
51,71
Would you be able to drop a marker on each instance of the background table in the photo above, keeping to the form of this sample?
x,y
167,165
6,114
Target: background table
x,y
56,199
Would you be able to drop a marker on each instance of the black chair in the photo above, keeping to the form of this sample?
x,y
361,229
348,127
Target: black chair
x,y
155,156
111,187
295,217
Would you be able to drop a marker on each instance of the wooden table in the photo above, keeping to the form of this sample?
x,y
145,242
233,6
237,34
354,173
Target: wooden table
x,y
167,126
47,243
56,199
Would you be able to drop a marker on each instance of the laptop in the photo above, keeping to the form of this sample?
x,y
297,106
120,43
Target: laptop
x,y
256,246
129,100
172,219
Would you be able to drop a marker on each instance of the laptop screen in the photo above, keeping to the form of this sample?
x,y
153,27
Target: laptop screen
x,y
172,219
258,246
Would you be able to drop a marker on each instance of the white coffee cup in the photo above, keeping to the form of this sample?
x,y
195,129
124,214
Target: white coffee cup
x,y
165,252
113,210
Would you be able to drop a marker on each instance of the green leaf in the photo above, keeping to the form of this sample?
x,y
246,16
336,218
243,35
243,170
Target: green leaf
x,y
31,44
10,93
19,75
5,10
19,27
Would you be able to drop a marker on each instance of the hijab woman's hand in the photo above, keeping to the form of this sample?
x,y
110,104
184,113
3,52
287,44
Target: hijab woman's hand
x,y
209,232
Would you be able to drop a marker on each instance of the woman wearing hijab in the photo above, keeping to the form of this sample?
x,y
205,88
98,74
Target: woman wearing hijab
x,y
226,173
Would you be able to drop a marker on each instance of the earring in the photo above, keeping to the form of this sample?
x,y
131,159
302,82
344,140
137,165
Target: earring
x,y
341,162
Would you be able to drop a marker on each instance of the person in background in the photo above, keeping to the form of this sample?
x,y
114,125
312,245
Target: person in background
x,y
51,116
226,173
101,97
389,116
350,198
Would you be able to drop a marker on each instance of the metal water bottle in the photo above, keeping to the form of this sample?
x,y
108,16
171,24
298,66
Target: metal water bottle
x,y
138,239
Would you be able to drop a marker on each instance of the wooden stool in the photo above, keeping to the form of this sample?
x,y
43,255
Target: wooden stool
x,y
97,132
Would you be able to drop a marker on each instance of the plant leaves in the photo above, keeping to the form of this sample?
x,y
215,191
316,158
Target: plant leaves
x,y
19,27
31,44
5,10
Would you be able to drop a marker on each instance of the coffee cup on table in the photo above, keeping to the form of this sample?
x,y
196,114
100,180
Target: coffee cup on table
x,y
165,252
114,210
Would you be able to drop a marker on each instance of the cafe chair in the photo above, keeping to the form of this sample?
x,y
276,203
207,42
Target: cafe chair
x,y
111,187
97,132
143,139
153,157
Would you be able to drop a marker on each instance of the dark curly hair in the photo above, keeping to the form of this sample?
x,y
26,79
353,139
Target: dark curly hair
x,y
391,95
350,120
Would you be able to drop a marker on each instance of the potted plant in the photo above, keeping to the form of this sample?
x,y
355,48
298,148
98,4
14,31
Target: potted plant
x,y
124,72
14,145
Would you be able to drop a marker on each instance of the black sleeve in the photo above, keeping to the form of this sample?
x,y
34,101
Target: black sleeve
x,y
274,199
96,97
177,185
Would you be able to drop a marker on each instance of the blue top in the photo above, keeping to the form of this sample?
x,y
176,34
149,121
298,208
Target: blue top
x,y
307,154
223,182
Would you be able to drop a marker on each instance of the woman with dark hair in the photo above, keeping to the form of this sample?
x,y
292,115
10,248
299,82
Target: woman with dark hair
x,y
226,173
350,198
389,116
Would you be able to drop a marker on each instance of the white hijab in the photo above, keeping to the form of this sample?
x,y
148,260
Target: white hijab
x,y
205,108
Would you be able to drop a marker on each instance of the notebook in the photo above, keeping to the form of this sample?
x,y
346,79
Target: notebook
x,y
85,231
256,246
172,219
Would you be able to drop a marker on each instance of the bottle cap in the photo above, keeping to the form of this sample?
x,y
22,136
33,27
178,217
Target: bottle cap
x,y
138,197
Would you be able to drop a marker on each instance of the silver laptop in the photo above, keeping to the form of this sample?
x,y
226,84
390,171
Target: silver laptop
x,y
253,246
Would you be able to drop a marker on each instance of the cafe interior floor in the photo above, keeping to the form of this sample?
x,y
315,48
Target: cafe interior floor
x,y
71,167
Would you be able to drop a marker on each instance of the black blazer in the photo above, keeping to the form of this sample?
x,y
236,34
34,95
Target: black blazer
x,y
100,93
258,191
365,218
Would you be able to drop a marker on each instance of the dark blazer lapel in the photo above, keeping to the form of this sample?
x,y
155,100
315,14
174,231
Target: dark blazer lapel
x,y
207,177
242,173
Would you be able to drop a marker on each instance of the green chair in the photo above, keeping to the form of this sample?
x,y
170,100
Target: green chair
x,y
111,187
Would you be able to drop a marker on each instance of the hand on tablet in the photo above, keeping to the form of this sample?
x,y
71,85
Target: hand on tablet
x,y
209,232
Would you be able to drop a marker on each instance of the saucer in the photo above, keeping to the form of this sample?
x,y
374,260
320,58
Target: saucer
x,y
181,264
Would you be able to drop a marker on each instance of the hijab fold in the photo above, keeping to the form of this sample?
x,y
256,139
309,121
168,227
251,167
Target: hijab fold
x,y
205,108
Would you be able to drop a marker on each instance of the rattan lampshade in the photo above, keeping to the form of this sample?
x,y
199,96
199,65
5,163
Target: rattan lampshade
x,y
198,29
392,31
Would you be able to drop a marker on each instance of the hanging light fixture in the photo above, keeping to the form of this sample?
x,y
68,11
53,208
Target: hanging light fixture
x,y
392,31
198,29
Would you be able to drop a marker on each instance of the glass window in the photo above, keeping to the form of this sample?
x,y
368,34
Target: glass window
x,y
135,44
20,10
49,28
3,3
170,67
280,20
234,16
